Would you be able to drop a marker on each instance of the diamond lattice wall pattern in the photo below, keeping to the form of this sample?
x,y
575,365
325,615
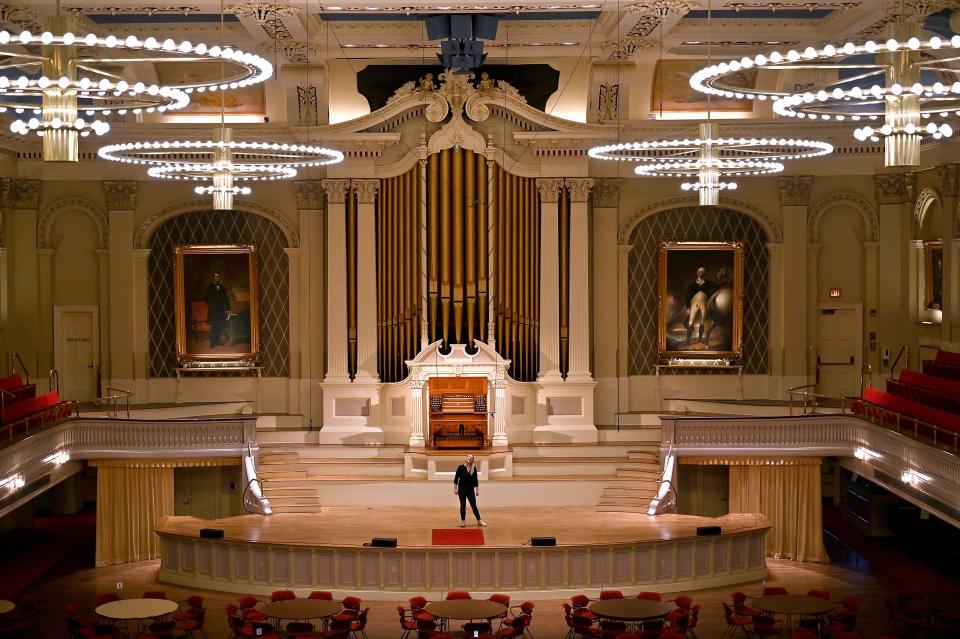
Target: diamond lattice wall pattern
x,y
696,224
220,227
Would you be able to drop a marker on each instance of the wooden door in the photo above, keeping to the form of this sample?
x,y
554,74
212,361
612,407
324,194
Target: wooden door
x,y
839,347
77,350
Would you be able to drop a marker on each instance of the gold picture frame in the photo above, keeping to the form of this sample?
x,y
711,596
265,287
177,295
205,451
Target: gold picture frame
x,y
700,315
216,304
933,275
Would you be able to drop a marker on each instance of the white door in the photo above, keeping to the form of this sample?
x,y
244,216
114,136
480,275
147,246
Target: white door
x,y
838,350
77,350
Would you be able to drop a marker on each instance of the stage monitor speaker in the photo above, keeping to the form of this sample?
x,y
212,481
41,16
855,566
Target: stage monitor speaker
x,y
485,26
705,531
543,541
438,27
383,542
461,26
211,533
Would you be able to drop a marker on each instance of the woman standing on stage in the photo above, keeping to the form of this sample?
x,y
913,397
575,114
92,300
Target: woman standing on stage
x,y
467,486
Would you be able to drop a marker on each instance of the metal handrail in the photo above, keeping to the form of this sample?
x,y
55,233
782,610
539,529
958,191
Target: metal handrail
x,y
811,399
12,360
917,423
869,370
113,401
903,351
53,378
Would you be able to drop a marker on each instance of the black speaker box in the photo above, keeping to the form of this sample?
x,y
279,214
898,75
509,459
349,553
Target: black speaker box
x,y
211,533
543,541
705,531
438,27
485,27
383,542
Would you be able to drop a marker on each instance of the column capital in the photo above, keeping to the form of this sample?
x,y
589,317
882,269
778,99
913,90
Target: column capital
x,y
894,188
366,190
948,175
606,193
21,194
309,194
795,190
579,188
336,190
120,195
549,189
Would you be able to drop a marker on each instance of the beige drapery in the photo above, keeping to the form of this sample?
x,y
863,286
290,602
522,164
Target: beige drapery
x,y
131,497
788,494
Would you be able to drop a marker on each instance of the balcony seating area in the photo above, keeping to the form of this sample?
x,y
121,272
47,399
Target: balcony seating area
x,y
31,412
14,390
926,405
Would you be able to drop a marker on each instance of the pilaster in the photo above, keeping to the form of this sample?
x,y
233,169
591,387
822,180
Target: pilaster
x,y
366,191
336,344
795,203
549,189
579,277
606,294
120,197
894,194
23,202
310,203
141,325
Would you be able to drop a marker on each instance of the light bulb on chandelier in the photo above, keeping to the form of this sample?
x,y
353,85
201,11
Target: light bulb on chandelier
x,y
901,84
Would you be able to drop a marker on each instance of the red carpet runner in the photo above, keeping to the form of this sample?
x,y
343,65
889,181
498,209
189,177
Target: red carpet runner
x,y
457,536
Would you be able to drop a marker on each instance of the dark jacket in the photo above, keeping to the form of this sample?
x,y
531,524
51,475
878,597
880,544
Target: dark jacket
x,y
463,479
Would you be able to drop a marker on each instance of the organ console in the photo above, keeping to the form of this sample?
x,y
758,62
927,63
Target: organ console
x,y
458,412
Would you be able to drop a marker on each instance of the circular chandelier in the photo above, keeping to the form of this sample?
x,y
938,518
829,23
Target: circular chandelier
x,y
905,81
710,160
220,163
66,81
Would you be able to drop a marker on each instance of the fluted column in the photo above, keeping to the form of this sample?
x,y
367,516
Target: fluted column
x,y
792,324
120,197
579,321
605,295
366,191
416,428
549,278
336,280
309,281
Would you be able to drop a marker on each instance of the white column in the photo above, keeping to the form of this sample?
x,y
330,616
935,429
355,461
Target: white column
x,y
623,349
499,413
792,315
416,427
310,311
550,189
336,342
295,352
44,295
366,191
141,325
776,332
579,278
606,295
120,197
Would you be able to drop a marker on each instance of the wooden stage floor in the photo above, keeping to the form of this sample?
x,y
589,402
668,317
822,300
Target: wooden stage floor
x,y
412,527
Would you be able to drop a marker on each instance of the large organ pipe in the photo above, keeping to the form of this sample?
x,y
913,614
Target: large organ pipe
x,y
471,237
433,253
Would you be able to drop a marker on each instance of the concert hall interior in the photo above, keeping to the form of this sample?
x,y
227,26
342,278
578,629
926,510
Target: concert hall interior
x,y
627,319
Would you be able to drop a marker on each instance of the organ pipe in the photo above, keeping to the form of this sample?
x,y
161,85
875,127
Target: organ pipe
x,y
398,274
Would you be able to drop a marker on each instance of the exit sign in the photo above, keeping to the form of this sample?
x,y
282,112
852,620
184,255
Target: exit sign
x,y
834,292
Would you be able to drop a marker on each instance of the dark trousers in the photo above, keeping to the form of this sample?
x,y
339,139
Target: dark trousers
x,y
464,495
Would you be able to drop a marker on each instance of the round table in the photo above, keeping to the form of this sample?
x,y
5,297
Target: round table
x,y
790,605
129,609
302,609
630,610
793,605
466,609
6,606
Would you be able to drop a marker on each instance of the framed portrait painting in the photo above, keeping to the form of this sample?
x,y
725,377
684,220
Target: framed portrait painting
x,y
700,295
215,290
